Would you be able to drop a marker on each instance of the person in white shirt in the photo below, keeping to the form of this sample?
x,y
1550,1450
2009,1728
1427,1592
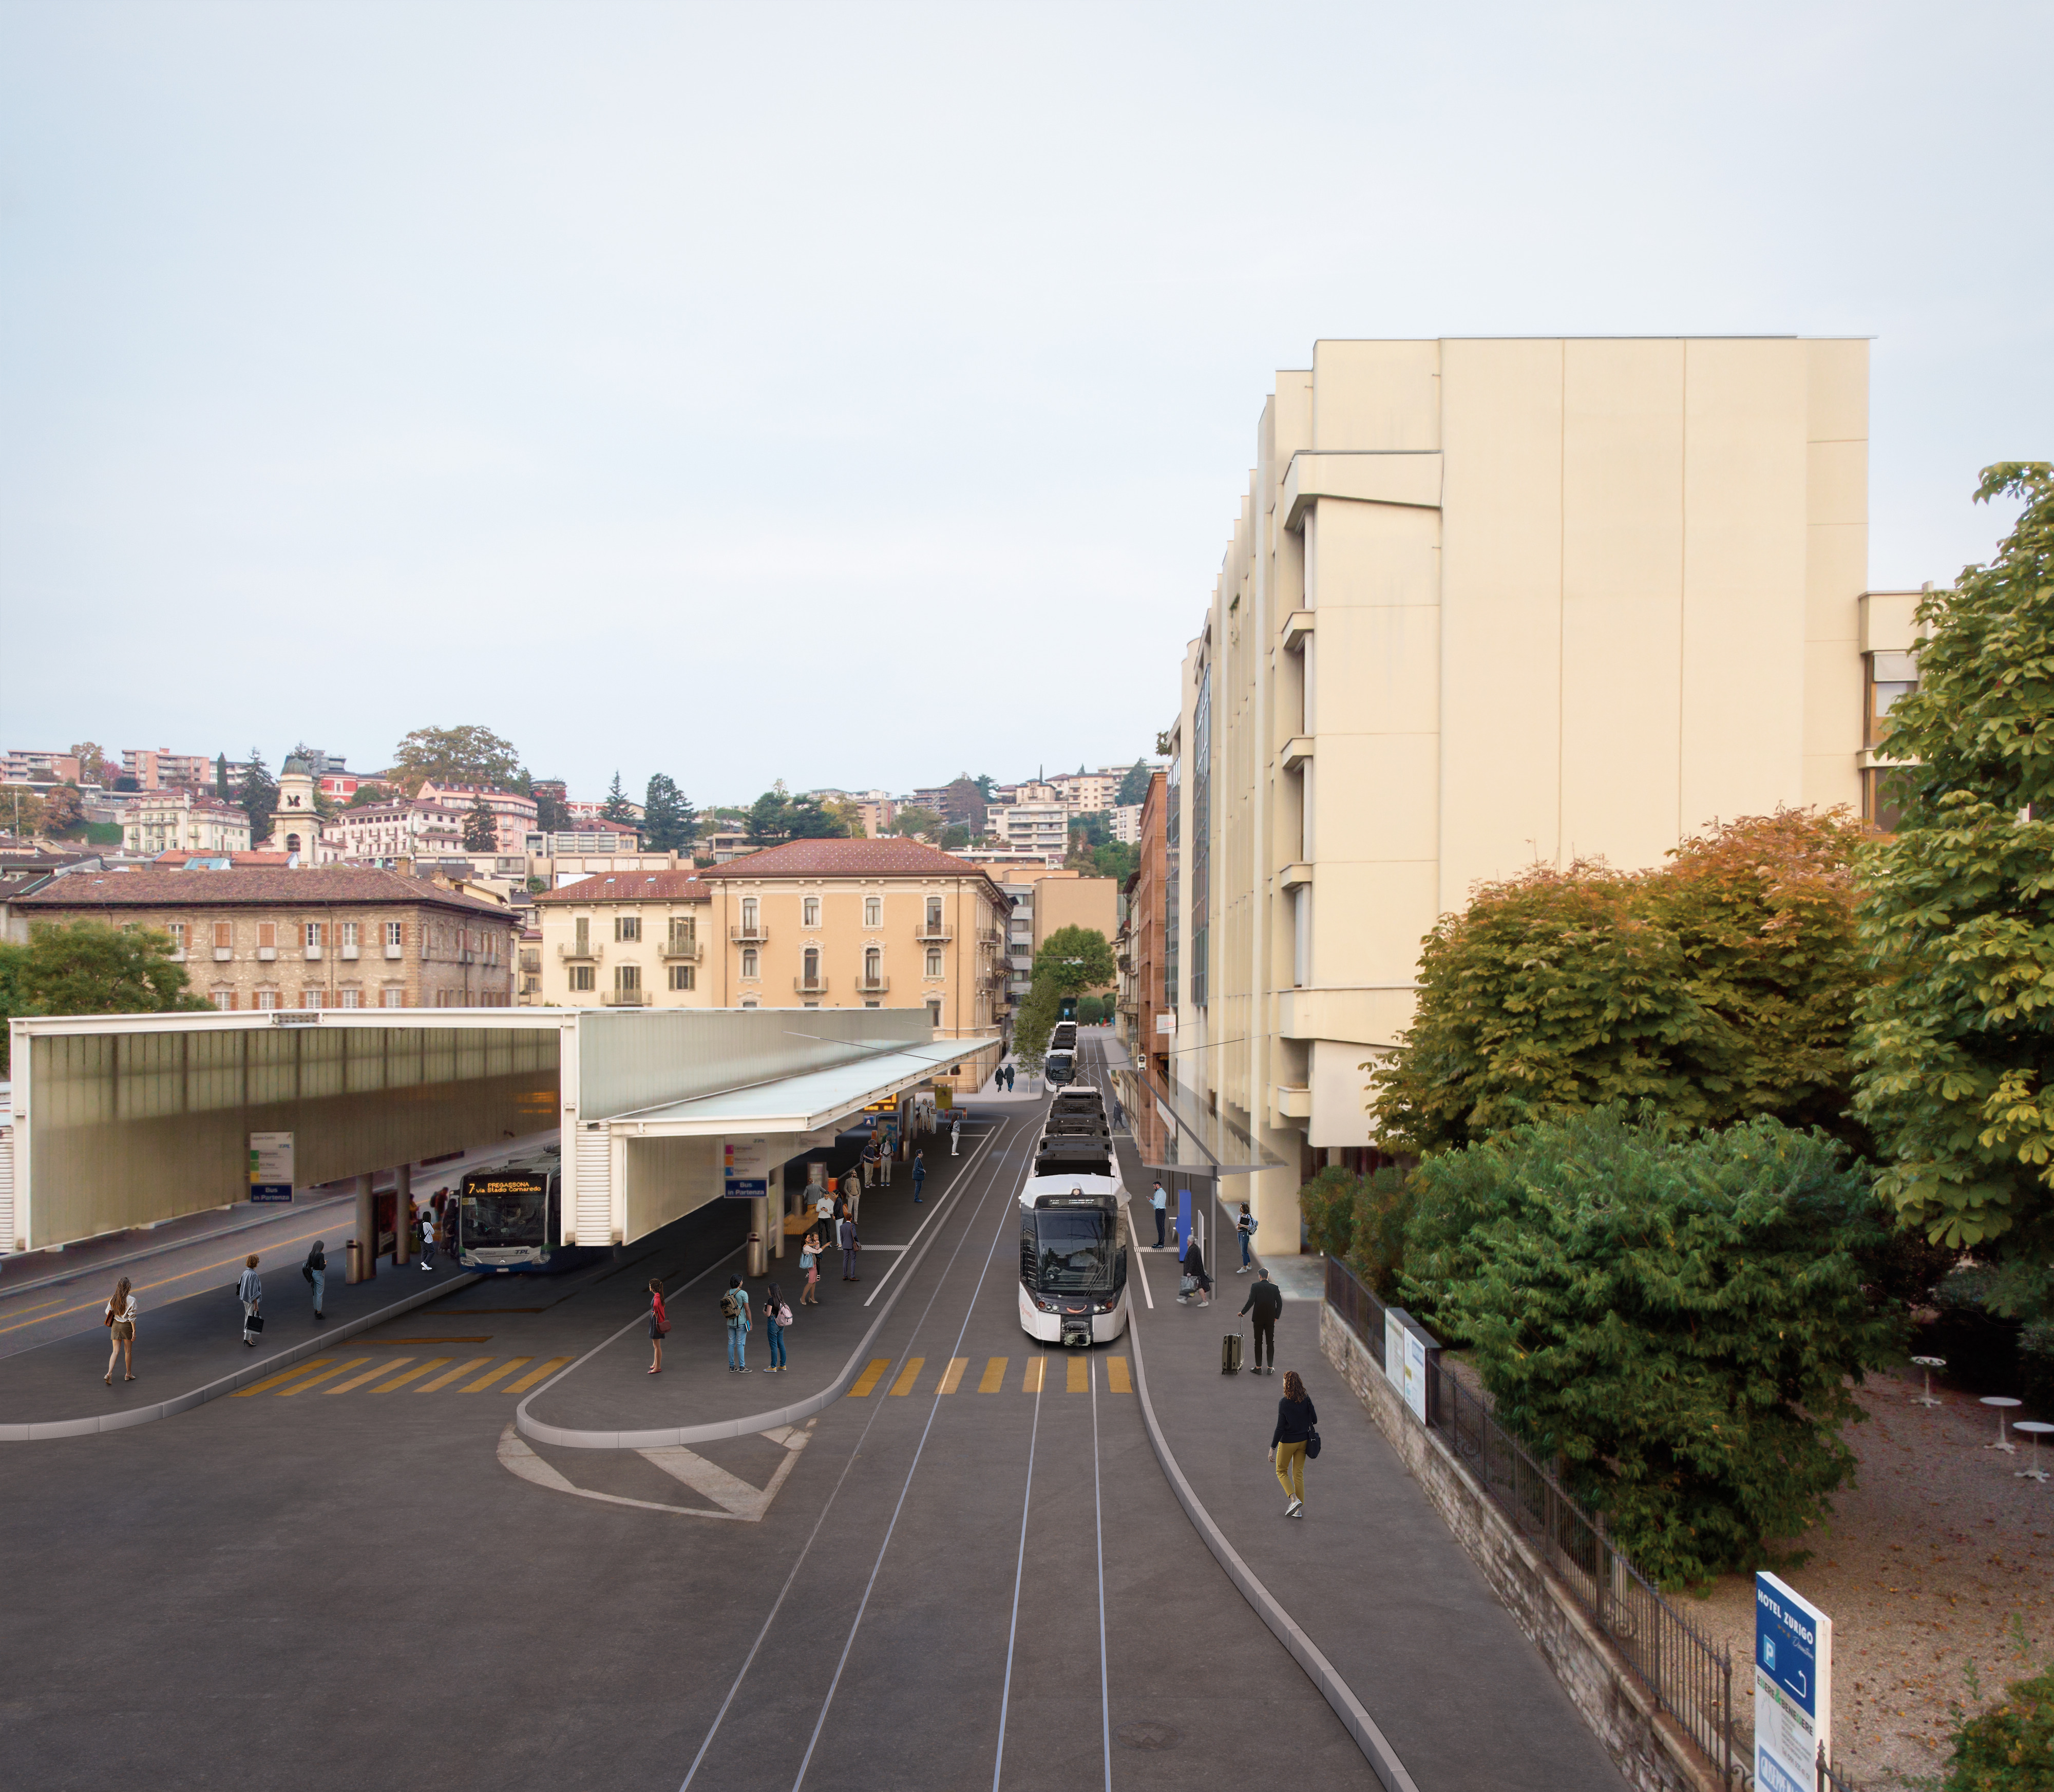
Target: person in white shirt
x,y
121,1331
249,1291
955,1135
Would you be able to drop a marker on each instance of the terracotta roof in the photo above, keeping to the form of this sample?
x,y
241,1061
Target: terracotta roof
x,y
886,858
627,887
252,888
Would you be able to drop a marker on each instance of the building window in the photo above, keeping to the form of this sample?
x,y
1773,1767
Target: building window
x,y
749,911
873,1004
873,911
809,908
267,998
934,961
267,936
1892,679
1882,801
749,1001
224,935
581,977
873,966
748,961
934,1014
811,959
681,977
581,934
627,927
396,932
353,998
684,934
177,930
395,998
349,935
628,979
224,998
934,914
310,998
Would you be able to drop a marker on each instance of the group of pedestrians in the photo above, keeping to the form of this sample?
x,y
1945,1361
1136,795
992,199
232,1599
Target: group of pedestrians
x,y
739,1314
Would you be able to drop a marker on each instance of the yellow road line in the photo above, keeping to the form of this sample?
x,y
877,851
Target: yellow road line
x,y
994,1378
358,1380
1030,1382
1115,1375
442,1381
398,1382
1079,1375
534,1375
871,1377
305,1368
339,1369
952,1376
909,1374
485,1381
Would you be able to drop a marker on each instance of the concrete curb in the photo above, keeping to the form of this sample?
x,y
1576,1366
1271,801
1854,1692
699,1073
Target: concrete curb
x,y
228,1384
1376,1749
680,1436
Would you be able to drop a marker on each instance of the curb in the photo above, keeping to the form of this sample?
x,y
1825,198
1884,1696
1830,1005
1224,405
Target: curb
x,y
1376,1748
228,1384
715,1430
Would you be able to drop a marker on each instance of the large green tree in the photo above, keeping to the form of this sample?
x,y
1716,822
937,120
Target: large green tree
x,y
915,819
617,809
766,825
1957,1033
481,827
1680,1320
669,823
257,797
467,755
89,968
1134,786
1719,987
1072,961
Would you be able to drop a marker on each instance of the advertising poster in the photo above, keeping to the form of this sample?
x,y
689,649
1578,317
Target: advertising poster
x,y
270,1166
746,1169
1793,1687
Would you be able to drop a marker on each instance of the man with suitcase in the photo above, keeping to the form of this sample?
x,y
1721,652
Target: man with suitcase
x,y
1265,1301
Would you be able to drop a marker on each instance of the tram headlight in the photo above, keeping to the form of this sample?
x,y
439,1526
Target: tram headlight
x,y
1108,1303
1045,1303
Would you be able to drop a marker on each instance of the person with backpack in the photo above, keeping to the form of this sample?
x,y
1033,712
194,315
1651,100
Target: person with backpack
x,y
776,1315
1244,1229
315,1270
1265,1300
659,1326
249,1291
1297,1437
735,1309
809,1260
120,1323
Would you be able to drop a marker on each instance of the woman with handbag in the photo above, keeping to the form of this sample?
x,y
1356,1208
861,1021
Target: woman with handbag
x,y
659,1326
120,1323
776,1315
249,1291
1296,1436
809,1260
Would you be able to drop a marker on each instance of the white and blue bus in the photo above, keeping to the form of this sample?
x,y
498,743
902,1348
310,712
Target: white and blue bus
x,y
509,1217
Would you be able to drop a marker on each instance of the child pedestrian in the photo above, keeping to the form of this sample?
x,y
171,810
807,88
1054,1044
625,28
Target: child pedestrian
x,y
121,1331
776,1315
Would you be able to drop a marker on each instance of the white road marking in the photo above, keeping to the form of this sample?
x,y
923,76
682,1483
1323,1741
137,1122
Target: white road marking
x,y
738,1499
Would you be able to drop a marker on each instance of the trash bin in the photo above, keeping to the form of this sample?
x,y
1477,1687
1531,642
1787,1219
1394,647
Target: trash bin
x,y
353,1261
759,1264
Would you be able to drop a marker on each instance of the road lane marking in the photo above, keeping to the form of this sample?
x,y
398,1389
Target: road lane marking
x,y
442,1381
870,1378
1115,1375
909,1375
284,1375
957,1184
358,1380
993,1381
399,1382
1079,1375
952,1376
534,1375
1030,1382
485,1381
339,1369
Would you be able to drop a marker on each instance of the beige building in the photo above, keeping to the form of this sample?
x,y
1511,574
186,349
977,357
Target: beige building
x,y
1491,602
340,937
174,819
834,923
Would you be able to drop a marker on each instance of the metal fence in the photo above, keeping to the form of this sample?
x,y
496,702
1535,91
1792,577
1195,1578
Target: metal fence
x,y
1690,1676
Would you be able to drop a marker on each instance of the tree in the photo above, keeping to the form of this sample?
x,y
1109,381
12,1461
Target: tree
x,y
616,808
1956,1032
1134,786
89,968
92,766
1072,961
913,819
551,814
22,810
366,794
258,798
846,815
221,777
481,827
954,837
1679,1319
806,819
985,784
1719,987
766,818
668,821
468,755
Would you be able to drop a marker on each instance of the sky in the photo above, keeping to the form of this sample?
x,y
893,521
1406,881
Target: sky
x,y
859,394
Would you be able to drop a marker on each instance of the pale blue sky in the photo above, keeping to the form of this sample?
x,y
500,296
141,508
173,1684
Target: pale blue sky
x,y
862,394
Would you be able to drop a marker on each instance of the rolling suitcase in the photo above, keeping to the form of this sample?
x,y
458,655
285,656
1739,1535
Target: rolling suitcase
x,y
1230,1353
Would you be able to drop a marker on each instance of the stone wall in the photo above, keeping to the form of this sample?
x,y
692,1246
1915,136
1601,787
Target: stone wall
x,y
1648,1746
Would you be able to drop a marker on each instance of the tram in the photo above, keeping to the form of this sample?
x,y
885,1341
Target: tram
x,y
1058,1067
509,1217
1072,1265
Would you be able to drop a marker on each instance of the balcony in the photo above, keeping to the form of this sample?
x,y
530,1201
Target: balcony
x,y
531,962
872,986
989,935
930,933
1297,751
684,946
582,952
749,936
1297,627
623,998
810,986
1294,1101
1294,874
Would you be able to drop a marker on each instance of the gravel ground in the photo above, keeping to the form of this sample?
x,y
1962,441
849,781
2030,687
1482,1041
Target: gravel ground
x,y
1937,1571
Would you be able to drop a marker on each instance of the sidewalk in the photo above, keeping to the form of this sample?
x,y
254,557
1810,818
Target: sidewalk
x,y
1370,1573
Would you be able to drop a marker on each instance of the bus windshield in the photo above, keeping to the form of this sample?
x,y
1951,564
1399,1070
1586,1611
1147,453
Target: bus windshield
x,y
1073,1250
502,1220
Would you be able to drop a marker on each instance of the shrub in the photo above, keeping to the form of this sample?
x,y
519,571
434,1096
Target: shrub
x,y
1327,1204
2009,1748
1383,1203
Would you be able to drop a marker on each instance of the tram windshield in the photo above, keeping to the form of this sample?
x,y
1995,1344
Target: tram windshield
x,y
503,1212
1074,1250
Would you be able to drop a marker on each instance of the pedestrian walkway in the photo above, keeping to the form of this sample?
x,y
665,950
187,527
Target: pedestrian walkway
x,y
1075,1375
380,1374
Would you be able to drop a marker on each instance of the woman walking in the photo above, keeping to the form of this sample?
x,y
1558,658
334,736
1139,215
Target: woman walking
x,y
249,1291
809,1260
121,1331
1295,1421
776,1315
315,1269
659,1324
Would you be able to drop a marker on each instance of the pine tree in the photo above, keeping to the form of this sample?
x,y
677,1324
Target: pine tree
x,y
617,810
1134,786
481,827
258,798
669,823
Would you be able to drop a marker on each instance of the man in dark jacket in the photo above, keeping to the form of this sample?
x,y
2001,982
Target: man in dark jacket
x,y
1266,1300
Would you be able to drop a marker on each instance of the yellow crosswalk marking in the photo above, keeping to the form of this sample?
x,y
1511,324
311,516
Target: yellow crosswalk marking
x,y
952,1376
909,1374
534,1375
306,1368
1079,1375
456,1374
1031,1381
399,1382
994,1375
485,1381
339,1369
1115,1375
872,1374
358,1380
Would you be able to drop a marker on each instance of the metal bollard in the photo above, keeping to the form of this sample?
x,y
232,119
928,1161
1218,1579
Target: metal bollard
x,y
353,1262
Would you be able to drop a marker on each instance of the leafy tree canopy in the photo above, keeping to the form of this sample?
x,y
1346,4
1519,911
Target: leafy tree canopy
x,y
1679,1318
468,755
1719,987
1134,786
985,784
1072,961
668,821
89,968
551,816
22,811
1956,1032
93,765
914,819
366,794
954,837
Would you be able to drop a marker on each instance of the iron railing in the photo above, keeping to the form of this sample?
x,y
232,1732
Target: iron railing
x,y
1690,1676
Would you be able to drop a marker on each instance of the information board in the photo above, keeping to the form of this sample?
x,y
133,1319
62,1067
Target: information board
x,y
1793,1687
746,1169
270,1166
1405,1361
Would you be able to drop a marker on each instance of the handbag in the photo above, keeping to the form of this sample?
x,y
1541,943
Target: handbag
x,y
252,1322
1312,1443
1188,1286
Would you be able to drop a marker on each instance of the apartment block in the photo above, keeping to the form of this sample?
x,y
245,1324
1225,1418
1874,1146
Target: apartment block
x,y
513,815
174,817
157,767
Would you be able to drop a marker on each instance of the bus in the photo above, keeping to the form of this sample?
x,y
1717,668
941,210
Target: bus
x,y
509,1217
1072,1265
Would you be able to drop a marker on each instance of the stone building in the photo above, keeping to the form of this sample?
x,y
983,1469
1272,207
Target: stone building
x,y
172,818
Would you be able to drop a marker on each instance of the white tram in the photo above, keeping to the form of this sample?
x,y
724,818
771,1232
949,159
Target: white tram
x,y
1073,1264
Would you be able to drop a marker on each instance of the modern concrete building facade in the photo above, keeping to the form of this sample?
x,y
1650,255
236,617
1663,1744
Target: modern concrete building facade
x,y
1490,602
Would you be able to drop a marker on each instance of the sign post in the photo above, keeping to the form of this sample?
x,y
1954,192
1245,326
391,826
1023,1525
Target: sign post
x,y
746,1169
271,1166
1793,1687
